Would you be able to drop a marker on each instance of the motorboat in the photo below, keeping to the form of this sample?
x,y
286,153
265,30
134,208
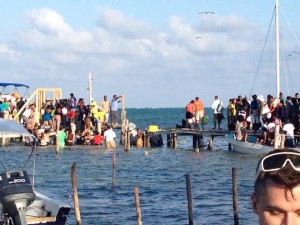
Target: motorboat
x,y
20,203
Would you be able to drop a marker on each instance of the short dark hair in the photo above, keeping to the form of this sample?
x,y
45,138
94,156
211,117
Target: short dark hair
x,y
286,176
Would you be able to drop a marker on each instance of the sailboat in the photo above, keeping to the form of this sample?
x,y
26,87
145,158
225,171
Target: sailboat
x,y
20,204
252,147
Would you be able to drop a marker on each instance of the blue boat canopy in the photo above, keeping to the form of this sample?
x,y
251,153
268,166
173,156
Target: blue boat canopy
x,y
13,84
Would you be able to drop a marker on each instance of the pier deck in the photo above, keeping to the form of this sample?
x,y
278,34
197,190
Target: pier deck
x,y
197,134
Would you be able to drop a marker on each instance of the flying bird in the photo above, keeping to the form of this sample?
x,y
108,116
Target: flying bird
x,y
295,52
206,13
198,37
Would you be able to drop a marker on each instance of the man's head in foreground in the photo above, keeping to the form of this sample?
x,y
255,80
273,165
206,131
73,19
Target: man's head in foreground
x,y
276,196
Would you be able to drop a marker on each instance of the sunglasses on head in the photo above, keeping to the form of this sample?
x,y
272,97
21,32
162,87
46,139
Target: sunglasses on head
x,y
278,160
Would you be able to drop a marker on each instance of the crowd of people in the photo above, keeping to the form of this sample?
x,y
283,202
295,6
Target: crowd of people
x,y
260,115
255,115
74,121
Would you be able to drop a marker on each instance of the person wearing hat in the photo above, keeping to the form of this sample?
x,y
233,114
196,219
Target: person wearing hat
x,y
276,195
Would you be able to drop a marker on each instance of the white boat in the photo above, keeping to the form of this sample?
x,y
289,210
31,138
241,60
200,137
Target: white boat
x,y
248,147
20,204
252,147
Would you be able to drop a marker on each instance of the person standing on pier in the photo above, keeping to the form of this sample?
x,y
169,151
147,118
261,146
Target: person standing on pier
x,y
105,107
217,107
114,109
199,112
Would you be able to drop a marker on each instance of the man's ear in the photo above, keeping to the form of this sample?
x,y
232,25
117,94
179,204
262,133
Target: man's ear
x,y
254,203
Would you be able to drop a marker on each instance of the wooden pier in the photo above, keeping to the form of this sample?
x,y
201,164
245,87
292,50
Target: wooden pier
x,y
197,134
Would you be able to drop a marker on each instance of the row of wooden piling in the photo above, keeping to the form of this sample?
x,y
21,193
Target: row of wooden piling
x,y
137,197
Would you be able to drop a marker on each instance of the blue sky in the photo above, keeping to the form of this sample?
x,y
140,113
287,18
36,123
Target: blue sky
x,y
147,50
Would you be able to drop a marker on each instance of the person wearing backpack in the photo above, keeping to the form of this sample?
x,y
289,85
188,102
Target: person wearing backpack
x,y
217,107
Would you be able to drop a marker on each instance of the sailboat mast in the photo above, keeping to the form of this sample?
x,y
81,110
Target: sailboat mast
x,y
90,88
277,50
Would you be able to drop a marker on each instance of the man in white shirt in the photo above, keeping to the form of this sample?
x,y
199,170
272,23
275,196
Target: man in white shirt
x,y
217,107
109,136
288,130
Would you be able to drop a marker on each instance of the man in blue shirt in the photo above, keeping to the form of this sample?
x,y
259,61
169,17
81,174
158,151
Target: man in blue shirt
x,y
114,109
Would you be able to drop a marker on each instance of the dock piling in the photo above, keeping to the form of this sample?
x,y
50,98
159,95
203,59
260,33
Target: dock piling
x,y
114,166
75,195
235,196
211,142
168,140
137,204
189,198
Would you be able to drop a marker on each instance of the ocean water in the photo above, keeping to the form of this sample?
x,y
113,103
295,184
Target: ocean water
x,y
160,177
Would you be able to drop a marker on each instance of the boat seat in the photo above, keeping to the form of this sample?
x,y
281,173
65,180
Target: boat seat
x,y
43,219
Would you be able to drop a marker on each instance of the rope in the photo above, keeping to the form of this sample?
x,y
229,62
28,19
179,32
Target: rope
x,y
260,59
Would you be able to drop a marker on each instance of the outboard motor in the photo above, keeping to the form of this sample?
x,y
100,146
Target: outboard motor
x,y
16,194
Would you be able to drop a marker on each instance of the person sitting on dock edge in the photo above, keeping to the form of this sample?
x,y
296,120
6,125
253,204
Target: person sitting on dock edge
x,y
276,196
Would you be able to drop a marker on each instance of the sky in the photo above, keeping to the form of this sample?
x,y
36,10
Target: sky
x,y
157,53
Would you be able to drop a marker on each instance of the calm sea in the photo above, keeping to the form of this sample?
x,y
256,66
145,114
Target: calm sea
x,y
160,177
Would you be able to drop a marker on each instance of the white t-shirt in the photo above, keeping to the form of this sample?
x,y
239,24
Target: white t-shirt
x,y
289,128
109,135
27,112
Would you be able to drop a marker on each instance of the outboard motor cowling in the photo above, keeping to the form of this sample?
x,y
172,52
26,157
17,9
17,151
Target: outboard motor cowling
x,y
16,194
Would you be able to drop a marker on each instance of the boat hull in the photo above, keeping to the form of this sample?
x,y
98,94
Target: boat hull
x,y
46,211
248,147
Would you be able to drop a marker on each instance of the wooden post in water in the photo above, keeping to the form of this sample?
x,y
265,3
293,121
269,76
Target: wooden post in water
x,y
189,198
174,140
127,137
123,120
128,140
145,139
114,166
75,195
211,142
125,134
148,140
235,196
137,204
3,140
168,140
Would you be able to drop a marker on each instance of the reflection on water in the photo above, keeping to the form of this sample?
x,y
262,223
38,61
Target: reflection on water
x,y
160,177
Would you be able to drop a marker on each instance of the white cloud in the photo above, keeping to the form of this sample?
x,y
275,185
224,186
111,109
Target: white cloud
x,y
151,67
6,52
